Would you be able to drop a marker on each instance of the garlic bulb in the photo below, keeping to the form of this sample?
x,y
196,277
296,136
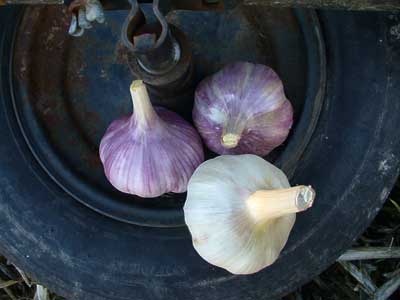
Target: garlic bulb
x,y
242,109
151,152
240,210
83,13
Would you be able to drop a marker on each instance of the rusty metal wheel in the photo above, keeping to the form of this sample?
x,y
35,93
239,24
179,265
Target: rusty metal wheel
x,y
65,225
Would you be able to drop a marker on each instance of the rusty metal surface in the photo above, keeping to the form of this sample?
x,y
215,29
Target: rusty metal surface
x,y
217,5
373,5
31,2
173,5
66,103
124,4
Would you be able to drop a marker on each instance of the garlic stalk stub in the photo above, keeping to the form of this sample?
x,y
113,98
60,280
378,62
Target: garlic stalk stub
x,y
242,109
240,210
83,13
152,151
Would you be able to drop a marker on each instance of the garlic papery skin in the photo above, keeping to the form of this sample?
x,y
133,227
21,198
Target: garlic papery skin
x,y
151,152
242,109
240,210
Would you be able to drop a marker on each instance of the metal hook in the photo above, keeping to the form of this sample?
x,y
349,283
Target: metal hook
x,y
155,48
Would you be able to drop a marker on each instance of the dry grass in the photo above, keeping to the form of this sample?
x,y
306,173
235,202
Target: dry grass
x,y
366,278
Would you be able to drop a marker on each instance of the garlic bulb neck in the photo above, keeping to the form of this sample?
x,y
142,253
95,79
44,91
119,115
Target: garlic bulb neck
x,y
230,140
264,205
143,112
232,133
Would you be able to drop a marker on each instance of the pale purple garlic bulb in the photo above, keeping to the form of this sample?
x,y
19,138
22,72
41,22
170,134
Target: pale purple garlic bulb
x,y
152,151
242,109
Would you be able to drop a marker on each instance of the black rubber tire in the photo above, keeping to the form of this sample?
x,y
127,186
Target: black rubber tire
x,y
352,161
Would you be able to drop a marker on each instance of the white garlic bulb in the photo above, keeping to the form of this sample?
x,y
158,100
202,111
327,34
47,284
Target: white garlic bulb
x,y
240,210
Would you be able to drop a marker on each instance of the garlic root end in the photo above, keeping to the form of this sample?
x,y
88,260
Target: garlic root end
x,y
305,198
136,84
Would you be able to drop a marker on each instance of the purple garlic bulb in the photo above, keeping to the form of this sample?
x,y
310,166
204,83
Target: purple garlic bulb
x,y
152,151
242,109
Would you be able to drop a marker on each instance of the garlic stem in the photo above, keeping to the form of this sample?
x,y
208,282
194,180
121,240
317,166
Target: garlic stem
x,y
230,140
264,205
143,110
232,132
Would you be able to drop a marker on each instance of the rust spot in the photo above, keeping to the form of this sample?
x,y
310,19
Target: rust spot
x,y
75,5
50,75
121,53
